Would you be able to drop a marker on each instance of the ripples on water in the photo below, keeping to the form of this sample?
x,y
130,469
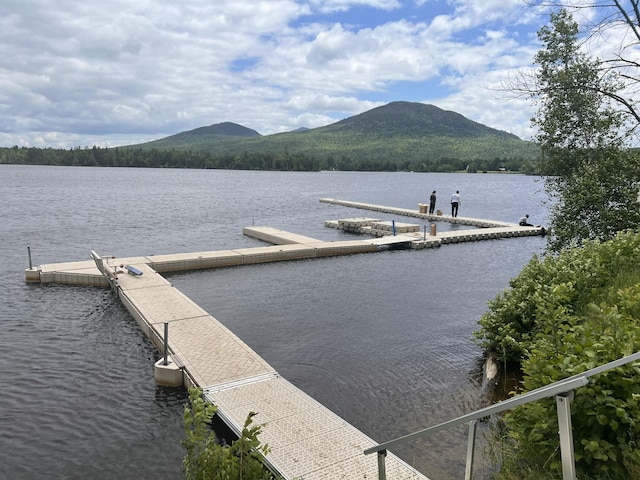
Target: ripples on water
x,y
78,396
383,340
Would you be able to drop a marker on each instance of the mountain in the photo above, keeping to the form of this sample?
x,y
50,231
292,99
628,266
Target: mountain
x,y
203,135
399,132
414,120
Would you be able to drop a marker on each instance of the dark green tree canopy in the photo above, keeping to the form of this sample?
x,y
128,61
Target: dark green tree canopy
x,y
591,178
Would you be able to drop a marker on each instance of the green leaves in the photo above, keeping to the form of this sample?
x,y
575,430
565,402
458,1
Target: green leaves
x,y
592,178
563,315
207,459
551,293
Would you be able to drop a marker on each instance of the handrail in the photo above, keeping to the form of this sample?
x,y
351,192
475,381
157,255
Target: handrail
x,y
608,366
562,390
550,390
544,392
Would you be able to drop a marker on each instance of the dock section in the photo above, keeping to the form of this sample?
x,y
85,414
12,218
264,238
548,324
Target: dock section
x,y
482,229
284,248
407,212
306,440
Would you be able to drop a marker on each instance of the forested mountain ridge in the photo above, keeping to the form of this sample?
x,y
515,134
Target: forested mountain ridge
x,y
414,119
400,133
211,134
397,136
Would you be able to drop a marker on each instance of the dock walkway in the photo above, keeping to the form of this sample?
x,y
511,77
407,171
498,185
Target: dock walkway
x,y
306,439
477,222
482,229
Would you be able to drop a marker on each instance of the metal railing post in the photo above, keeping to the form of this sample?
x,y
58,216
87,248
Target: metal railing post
x,y
563,403
471,448
562,390
166,343
382,469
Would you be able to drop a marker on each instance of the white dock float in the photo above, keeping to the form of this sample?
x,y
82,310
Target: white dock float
x,y
285,249
320,248
307,440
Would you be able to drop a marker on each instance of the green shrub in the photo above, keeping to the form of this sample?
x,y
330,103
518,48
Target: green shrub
x,y
550,289
565,315
606,412
207,459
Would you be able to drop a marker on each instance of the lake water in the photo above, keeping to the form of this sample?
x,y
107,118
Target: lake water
x,y
384,340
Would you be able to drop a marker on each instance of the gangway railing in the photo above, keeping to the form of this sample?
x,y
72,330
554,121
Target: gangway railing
x,y
562,390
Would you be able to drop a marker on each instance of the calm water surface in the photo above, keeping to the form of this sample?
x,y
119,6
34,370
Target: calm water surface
x,y
383,340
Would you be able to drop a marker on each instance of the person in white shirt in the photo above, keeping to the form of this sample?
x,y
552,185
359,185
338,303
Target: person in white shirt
x,y
524,221
455,203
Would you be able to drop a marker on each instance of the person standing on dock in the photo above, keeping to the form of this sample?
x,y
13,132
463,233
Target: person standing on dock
x,y
455,203
432,202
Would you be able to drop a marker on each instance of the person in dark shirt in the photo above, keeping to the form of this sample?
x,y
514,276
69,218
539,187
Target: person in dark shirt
x,y
432,202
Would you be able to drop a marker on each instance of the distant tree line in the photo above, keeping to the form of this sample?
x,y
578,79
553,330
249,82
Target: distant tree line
x,y
282,161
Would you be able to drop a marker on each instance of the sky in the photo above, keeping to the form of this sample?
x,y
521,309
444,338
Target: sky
x,y
121,72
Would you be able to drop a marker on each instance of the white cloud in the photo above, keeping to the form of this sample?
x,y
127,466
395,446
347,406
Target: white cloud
x,y
122,72
326,6
484,100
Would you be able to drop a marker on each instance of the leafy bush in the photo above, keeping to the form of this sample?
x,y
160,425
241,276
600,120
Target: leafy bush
x,y
562,316
207,459
605,412
550,289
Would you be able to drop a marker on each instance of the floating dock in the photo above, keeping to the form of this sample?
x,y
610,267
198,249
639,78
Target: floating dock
x,y
481,229
306,440
407,212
